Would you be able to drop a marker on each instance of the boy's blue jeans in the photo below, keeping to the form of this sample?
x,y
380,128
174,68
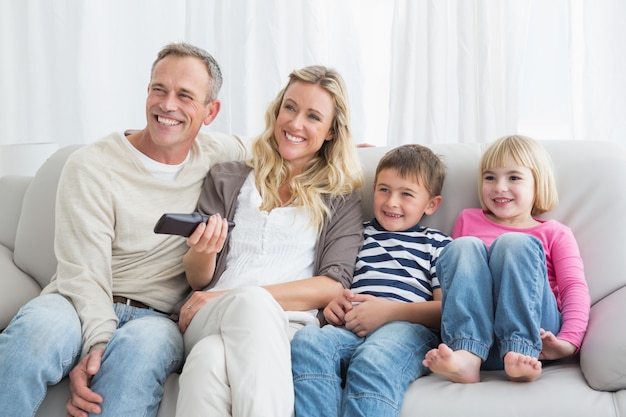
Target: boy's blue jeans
x,y
43,343
376,369
496,299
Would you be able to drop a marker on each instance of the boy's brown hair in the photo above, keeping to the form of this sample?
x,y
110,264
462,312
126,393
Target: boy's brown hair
x,y
416,162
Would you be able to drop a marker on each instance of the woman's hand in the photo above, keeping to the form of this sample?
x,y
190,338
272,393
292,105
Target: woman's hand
x,y
209,237
553,347
197,300
336,310
204,243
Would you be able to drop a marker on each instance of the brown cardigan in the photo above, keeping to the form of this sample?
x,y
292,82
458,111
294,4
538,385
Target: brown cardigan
x,y
339,241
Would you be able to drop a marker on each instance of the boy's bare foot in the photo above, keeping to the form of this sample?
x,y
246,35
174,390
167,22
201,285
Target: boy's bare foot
x,y
458,366
521,368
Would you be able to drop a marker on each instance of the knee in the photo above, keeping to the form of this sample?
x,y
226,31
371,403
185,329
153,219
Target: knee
x,y
313,352
51,310
256,306
149,337
254,299
517,243
463,244
45,318
305,341
45,329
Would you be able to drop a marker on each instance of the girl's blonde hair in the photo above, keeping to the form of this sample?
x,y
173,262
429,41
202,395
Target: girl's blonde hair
x,y
528,153
335,169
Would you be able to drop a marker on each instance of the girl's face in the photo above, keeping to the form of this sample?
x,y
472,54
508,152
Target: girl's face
x,y
303,123
400,203
509,194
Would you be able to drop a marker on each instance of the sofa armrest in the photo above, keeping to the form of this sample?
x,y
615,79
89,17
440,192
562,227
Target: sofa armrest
x,y
12,189
603,352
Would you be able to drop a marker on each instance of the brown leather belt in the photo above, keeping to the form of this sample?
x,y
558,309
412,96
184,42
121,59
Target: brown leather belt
x,y
134,303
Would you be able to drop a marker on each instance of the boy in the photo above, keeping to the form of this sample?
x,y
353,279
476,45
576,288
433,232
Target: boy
x,y
380,329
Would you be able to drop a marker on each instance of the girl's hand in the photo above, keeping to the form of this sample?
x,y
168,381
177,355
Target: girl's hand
x,y
553,347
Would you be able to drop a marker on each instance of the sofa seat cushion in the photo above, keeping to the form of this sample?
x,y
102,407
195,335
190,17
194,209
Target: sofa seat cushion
x,y
561,389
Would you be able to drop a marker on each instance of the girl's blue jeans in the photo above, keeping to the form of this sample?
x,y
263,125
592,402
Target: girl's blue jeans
x,y
496,299
43,342
337,373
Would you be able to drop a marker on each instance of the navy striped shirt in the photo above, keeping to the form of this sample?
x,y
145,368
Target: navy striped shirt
x,y
399,266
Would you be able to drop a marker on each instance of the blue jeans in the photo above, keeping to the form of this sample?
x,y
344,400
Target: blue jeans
x,y
337,373
43,343
496,299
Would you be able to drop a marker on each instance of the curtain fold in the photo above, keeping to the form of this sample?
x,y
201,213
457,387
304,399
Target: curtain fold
x,y
456,65
425,71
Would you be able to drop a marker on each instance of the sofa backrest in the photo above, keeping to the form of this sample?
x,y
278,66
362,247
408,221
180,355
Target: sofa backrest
x,y
12,189
591,177
459,190
34,239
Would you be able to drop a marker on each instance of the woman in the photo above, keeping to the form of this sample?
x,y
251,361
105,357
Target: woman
x,y
296,206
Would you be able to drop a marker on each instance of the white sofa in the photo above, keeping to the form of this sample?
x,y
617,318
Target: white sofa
x,y
591,180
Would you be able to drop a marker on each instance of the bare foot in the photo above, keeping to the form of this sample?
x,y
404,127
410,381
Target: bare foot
x,y
458,366
521,368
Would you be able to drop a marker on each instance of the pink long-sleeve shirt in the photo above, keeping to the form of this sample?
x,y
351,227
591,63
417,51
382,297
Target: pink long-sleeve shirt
x,y
564,265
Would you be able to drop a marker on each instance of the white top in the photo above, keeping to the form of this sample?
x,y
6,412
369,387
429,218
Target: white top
x,y
268,247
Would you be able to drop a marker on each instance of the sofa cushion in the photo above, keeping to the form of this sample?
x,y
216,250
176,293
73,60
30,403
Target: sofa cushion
x,y
603,354
34,241
589,179
460,188
16,287
12,189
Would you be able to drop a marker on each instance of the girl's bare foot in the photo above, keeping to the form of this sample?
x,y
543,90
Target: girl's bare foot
x,y
521,368
458,366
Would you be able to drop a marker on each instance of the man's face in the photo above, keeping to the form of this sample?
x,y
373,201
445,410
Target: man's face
x,y
176,105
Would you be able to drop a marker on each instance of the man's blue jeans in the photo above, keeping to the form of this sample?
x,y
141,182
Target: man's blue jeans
x,y
496,299
337,373
43,343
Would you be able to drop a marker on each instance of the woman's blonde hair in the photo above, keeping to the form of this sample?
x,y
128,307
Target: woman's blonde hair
x,y
335,169
528,153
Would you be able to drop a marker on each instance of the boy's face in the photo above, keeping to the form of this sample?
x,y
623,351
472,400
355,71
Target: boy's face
x,y
400,203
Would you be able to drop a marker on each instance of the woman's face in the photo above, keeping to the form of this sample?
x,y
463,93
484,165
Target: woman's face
x,y
303,123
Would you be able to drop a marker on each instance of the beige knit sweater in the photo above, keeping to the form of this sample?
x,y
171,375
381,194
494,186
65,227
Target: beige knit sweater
x,y
107,206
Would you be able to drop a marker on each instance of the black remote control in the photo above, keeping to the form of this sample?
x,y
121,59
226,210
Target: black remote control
x,y
182,224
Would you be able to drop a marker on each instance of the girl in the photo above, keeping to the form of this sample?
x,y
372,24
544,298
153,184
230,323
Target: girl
x,y
514,290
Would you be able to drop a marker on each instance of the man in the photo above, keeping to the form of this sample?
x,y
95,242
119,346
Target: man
x,y
105,314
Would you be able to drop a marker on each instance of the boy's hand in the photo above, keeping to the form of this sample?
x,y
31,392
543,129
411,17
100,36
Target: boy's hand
x,y
553,347
367,316
336,310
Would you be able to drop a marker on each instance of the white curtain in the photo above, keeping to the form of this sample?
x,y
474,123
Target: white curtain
x,y
474,70
456,70
422,71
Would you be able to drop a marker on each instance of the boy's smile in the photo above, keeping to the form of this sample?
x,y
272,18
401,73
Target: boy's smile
x,y
400,203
